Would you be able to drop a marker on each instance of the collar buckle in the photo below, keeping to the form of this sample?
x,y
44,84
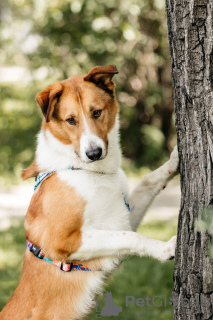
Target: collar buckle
x,y
36,251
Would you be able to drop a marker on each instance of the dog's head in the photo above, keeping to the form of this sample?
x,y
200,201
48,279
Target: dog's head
x,y
82,111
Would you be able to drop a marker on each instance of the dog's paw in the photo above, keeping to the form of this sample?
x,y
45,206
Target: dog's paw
x,y
171,245
174,161
169,251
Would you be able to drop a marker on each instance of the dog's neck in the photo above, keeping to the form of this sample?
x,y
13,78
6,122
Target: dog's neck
x,y
53,155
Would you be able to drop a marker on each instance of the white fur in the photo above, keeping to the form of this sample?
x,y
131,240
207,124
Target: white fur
x,y
51,154
143,195
89,140
108,229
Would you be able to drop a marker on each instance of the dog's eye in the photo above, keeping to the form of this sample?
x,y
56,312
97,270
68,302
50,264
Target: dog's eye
x,y
71,121
97,113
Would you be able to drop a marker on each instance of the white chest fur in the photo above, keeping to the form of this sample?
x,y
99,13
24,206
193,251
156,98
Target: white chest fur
x,y
105,210
104,195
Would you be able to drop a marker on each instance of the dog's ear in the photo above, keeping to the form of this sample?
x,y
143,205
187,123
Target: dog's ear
x,y
48,98
102,77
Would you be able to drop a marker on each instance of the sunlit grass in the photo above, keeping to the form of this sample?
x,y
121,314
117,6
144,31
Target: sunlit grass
x,y
137,277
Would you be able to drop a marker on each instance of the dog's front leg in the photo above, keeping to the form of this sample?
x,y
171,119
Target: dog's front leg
x,y
143,195
105,243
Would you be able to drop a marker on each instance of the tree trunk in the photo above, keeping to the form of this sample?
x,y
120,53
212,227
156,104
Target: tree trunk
x,y
190,30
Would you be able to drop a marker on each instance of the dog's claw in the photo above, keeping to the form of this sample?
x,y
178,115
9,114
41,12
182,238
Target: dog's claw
x,y
171,258
169,251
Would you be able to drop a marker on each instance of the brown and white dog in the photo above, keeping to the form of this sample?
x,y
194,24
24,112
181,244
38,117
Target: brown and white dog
x,y
80,215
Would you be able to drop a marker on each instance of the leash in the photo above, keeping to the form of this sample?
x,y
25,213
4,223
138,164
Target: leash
x,y
38,253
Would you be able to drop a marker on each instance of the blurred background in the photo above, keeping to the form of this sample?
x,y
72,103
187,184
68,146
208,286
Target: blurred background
x,y
47,40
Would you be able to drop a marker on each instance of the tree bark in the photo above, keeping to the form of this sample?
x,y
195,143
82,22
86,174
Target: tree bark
x,y
190,31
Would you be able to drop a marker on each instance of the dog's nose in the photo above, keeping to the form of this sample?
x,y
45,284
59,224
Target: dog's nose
x,y
94,154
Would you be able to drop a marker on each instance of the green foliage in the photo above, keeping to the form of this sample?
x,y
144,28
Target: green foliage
x,y
19,123
52,40
138,277
12,247
204,224
205,221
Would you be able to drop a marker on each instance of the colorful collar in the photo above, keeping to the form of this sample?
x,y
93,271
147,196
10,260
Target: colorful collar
x,y
67,267
44,175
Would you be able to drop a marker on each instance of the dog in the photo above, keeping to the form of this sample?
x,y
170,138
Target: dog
x,y
81,221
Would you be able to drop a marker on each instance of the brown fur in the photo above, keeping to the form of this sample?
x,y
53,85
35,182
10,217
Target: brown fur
x,y
53,222
51,213
57,230
92,97
48,98
31,171
54,294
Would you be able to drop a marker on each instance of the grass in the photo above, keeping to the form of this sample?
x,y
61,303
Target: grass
x,y
137,277
12,247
